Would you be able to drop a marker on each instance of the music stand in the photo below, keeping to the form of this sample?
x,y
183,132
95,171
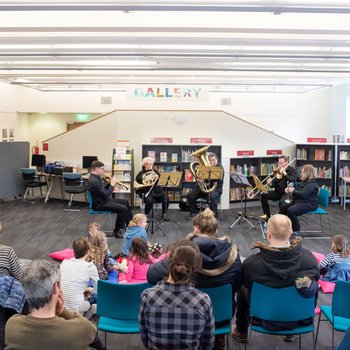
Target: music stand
x,y
241,182
171,179
209,173
153,222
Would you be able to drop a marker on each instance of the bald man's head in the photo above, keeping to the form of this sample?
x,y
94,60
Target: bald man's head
x,y
279,227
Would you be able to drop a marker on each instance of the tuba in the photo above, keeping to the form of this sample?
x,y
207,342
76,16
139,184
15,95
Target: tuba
x,y
203,159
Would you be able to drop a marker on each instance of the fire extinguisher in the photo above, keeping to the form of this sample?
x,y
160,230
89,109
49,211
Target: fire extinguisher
x,y
35,149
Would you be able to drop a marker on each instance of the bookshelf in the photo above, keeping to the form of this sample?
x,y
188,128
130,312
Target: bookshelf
x,y
322,157
123,169
343,168
260,166
169,158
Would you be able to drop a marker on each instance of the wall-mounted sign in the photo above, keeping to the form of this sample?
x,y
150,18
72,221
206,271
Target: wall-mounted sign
x,y
201,140
272,152
317,139
45,146
245,153
161,140
167,93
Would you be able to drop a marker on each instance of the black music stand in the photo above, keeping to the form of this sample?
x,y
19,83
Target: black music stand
x,y
241,182
153,225
209,173
171,179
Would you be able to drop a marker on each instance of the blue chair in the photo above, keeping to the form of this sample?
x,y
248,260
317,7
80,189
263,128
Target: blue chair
x,y
337,314
93,212
31,179
73,184
323,200
221,298
283,305
118,307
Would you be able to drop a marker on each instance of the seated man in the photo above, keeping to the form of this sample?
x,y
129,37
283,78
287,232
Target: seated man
x,y
279,185
76,274
49,325
212,197
101,198
279,264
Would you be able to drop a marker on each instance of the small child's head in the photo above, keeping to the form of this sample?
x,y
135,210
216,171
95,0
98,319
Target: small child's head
x,y
139,249
156,250
80,247
138,220
94,227
340,245
98,239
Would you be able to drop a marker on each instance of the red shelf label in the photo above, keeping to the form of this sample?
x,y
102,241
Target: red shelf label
x,y
203,140
317,139
271,152
161,140
245,153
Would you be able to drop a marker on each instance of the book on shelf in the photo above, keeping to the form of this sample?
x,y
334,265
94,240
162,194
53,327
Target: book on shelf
x,y
128,156
163,156
302,153
343,155
127,177
174,157
120,153
177,196
119,175
152,154
320,154
188,175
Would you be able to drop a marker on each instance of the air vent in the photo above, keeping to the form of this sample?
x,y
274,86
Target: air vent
x,y
225,101
106,100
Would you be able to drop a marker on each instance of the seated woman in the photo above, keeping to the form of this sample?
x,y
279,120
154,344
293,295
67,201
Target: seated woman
x,y
174,314
138,263
336,265
305,198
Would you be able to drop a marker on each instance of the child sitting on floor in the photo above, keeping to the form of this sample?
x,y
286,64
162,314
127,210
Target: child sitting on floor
x,y
336,265
138,262
135,229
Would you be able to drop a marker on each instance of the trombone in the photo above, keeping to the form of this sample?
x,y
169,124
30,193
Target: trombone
x,y
263,186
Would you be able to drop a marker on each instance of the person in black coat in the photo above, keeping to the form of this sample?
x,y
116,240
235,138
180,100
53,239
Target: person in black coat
x,y
101,194
279,185
305,198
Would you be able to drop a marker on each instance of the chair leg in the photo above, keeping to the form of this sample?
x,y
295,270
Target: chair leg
x,y
41,191
70,200
329,225
25,194
299,341
332,337
313,340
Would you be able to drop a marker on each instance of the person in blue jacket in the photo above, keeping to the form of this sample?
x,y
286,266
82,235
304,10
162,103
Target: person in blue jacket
x,y
136,228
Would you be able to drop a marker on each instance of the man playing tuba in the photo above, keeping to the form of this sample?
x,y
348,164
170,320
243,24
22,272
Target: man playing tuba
x,y
212,197
149,177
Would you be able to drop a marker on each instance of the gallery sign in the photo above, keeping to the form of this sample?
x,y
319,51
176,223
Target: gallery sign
x,y
317,139
167,93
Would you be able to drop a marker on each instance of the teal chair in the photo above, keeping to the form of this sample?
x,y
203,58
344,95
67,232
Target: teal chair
x,y
73,184
283,305
31,179
118,307
93,212
337,314
221,298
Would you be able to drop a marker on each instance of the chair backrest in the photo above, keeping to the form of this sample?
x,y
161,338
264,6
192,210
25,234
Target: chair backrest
x,y
119,301
341,299
221,298
29,174
89,198
323,197
280,304
72,179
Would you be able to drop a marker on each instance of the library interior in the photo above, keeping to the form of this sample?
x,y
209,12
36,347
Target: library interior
x,y
227,130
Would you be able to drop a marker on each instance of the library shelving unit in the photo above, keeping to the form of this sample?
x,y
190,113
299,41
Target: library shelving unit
x,y
170,158
322,157
123,169
343,166
260,166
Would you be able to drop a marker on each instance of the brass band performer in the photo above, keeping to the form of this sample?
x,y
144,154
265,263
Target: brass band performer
x,y
279,183
157,194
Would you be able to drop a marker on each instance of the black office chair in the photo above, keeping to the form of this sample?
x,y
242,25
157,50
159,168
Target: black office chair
x,y
73,184
31,179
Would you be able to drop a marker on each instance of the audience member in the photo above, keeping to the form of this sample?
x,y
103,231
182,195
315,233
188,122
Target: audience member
x,y
138,262
49,325
99,254
135,229
278,264
174,314
77,275
336,265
